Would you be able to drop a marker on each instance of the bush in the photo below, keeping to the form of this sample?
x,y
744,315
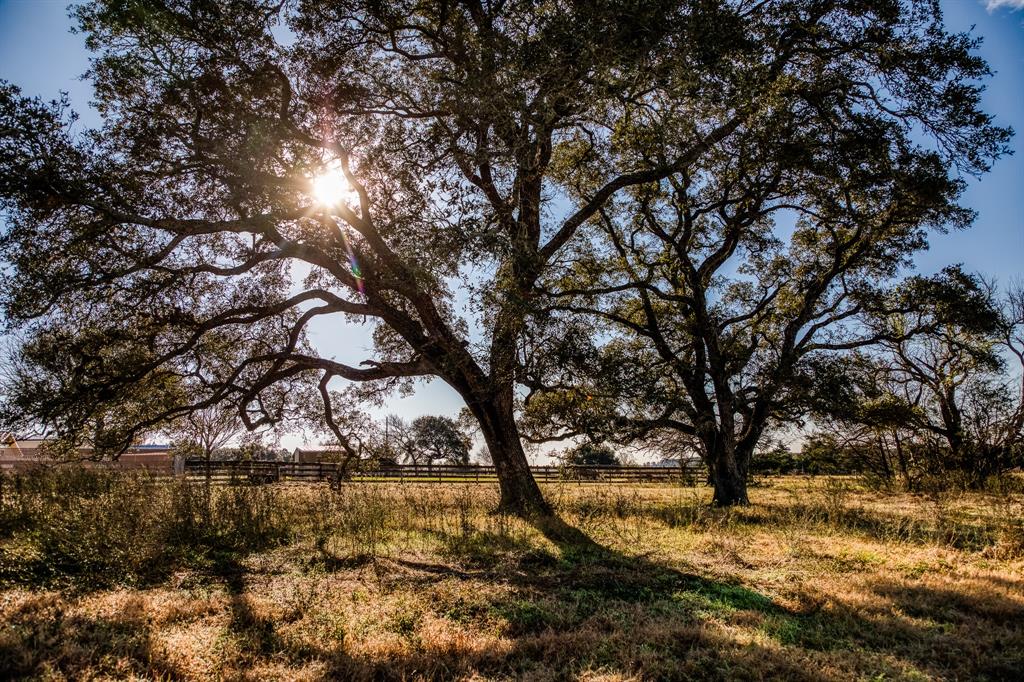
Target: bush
x,y
99,527
590,454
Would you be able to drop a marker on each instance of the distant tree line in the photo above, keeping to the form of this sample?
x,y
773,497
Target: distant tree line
x,y
944,406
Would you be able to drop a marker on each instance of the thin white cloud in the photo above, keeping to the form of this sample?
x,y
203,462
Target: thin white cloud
x,y
1013,5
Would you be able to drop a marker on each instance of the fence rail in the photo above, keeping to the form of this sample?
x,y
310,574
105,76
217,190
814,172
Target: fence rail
x,y
165,468
268,472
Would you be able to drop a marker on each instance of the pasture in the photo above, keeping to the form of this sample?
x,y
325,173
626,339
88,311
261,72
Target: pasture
x,y
107,575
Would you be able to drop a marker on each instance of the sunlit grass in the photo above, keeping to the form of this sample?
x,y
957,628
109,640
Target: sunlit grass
x,y
817,579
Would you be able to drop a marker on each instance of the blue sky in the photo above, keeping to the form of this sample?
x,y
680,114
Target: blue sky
x,y
38,53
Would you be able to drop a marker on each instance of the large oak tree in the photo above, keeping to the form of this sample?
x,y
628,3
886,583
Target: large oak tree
x,y
729,287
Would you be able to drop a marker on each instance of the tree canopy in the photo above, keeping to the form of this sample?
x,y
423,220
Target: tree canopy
x,y
590,454
439,439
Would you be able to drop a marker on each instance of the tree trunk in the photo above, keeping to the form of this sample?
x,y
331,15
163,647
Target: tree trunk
x,y
730,490
520,493
730,485
206,484
901,457
883,453
728,470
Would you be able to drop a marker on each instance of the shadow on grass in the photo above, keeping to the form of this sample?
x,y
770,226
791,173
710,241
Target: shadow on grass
x,y
589,608
582,607
560,612
206,563
38,637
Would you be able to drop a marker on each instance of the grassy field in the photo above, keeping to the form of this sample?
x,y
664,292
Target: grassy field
x,y
106,577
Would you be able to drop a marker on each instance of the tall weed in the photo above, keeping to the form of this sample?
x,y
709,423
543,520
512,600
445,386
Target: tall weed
x,y
102,527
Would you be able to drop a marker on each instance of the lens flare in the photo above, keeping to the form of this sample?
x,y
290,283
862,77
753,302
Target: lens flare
x,y
331,188
356,272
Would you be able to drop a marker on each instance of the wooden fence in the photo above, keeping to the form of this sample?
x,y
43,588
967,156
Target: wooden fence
x,y
24,465
269,472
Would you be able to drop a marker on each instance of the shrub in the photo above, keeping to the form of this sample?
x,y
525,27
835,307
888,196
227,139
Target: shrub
x,y
100,527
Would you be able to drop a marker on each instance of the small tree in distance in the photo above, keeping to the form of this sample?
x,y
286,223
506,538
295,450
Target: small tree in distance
x,y
428,439
483,456
201,432
439,439
205,431
590,454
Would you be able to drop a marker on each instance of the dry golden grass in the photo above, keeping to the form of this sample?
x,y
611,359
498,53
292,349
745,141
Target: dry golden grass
x,y
818,579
